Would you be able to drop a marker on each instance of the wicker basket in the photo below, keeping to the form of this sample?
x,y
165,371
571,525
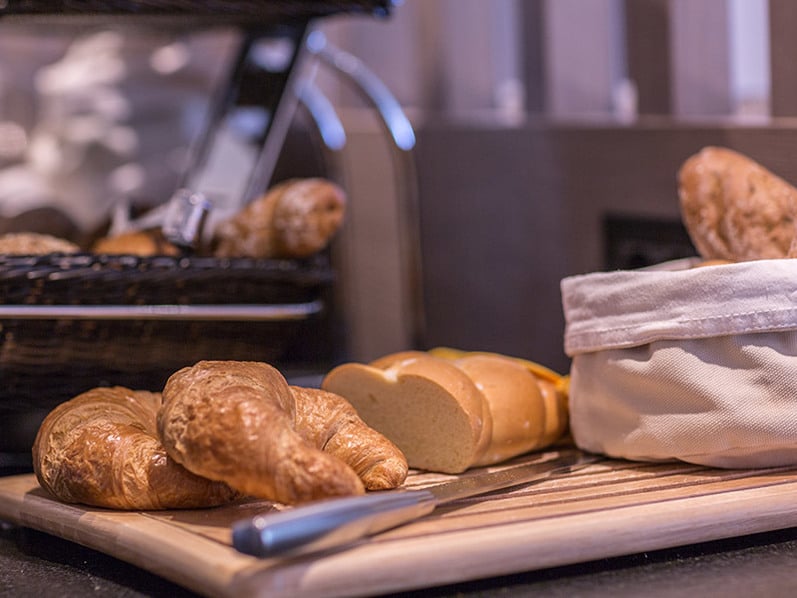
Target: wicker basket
x,y
72,322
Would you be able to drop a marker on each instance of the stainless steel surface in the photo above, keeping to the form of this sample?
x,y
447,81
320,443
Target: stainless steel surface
x,y
337,522
185,218
399,129
323,113
378,95
234,160
549,464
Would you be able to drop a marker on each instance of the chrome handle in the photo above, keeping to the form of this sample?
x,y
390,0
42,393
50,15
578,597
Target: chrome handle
x,y
329,523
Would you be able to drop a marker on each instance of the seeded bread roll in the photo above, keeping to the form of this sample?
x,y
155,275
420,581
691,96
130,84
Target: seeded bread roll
x,y
735,209
294,219
34,244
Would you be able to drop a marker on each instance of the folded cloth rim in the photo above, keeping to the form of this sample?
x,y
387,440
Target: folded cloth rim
x,y
627,308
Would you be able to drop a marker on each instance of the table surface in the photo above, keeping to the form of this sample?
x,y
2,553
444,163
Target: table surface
x,y
33,563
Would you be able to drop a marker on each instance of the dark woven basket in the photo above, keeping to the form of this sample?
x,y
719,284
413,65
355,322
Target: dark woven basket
x,y
191,12
88,279
46,359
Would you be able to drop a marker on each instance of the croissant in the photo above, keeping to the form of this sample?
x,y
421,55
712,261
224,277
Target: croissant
x,y
294,219
241,423
329,422
101,448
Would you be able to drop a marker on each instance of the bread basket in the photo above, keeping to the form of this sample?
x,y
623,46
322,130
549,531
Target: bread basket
x,y
683,363
71,322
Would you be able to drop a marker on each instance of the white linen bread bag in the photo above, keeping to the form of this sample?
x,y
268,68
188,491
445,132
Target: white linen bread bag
x,y
680,363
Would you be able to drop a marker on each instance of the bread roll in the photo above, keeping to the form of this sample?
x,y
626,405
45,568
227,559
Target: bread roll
x,y
140,243
427,406
735,209
238,422
101,448
34,244
294,219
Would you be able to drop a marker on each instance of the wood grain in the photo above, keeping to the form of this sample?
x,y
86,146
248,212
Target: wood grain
x,y
607,509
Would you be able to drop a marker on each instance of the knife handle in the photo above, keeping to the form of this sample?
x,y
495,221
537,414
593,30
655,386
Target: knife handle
x,y
330,523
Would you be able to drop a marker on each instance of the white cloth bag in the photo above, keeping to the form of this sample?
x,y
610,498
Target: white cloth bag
x,y
698,364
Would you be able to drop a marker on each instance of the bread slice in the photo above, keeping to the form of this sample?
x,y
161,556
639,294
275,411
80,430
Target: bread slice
x,y
515,401
426,405
449,410
553,389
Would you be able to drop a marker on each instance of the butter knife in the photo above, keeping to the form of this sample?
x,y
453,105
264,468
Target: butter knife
x,y
336,522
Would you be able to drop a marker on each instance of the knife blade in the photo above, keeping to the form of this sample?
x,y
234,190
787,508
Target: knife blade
x,y
336,522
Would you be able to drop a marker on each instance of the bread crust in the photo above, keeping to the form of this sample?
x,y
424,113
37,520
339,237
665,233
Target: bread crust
x,y
236,423
233,421
140,243
457,383
735,209
34,244
294,219
328,422
429,408
515,402
510,409
101,448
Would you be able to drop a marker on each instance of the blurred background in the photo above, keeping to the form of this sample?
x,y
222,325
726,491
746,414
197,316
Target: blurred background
x,y
548,136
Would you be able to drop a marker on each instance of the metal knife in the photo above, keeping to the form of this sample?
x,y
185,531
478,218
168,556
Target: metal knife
x,y
336,522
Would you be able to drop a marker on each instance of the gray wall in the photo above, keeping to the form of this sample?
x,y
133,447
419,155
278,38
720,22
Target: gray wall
x,y
505,214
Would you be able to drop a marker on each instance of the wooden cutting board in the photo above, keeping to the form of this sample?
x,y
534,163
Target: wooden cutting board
x,y
608,509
